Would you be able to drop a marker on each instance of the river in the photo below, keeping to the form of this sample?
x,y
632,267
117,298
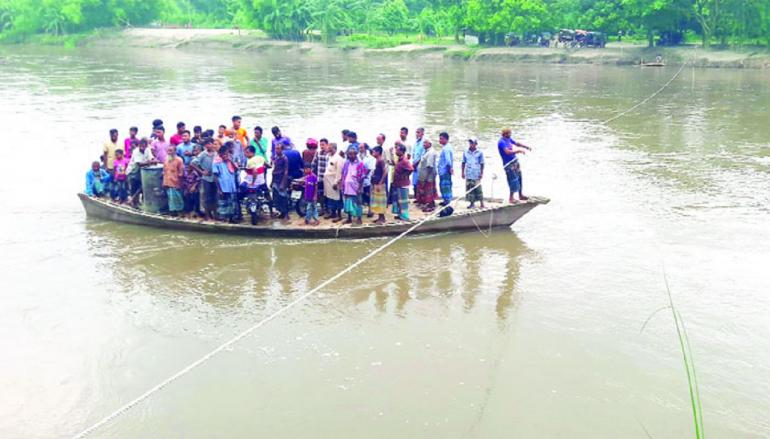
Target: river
x,y
533,332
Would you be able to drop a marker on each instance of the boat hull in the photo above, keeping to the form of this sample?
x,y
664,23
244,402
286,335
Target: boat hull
x,y
502,215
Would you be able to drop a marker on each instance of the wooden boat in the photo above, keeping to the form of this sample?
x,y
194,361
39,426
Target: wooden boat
x,y
496,214
652,64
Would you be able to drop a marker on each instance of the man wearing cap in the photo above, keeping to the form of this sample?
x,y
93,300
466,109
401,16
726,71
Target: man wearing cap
x,y
508,148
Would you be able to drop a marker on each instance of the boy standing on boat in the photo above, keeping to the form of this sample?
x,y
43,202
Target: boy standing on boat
x,y
311,197
173,174
192,182
401,182
203,163
120,183
445,168
472,173
130,141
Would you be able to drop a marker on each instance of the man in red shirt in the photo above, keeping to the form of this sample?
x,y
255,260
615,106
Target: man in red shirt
x,y
176,139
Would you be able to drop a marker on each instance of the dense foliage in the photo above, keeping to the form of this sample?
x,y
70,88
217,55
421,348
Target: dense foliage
x,y
721,21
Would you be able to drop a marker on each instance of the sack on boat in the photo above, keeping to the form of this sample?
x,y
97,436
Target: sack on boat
x,y
446,212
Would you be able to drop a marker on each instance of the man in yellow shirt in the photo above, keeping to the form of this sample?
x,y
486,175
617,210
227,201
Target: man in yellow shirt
x,y
108,155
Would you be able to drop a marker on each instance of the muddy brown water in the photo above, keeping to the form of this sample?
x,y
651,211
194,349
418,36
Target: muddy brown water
x,y
533,332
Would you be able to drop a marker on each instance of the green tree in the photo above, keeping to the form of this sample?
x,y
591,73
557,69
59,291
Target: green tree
x,y
656,15
394,17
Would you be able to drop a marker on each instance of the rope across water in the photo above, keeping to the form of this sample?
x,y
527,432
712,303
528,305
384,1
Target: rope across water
x,y
139,399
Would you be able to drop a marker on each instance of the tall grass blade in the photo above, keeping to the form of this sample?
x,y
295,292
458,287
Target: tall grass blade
x,y
689,368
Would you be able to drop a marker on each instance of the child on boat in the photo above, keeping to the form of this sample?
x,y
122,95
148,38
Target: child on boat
x,y
120,185
96,180
311,196
192,184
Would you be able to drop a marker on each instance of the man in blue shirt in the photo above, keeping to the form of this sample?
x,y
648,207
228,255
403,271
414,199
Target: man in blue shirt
x,y
508,148
417,151
445,168
296,165
185,148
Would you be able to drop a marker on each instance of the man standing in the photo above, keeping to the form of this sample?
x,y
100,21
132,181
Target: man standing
x,y
278,137
318,166
417,151
426,178
508,148
403,136
160,144
369,163
473,172
345,140
185,148
204,165
332,180
108,153
445,168
388,156
130,141
260,144
141,158
280,182
401,183
176,139
242,141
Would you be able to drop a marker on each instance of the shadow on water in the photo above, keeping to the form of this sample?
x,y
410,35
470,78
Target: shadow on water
x,y
235,275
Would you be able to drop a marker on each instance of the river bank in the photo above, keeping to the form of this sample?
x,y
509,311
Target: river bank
x,y
256,41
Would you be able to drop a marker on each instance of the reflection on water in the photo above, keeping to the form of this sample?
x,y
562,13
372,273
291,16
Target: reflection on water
x,y
438,335
247,278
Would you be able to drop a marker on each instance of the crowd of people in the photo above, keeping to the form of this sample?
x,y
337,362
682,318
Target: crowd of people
x,y
206,173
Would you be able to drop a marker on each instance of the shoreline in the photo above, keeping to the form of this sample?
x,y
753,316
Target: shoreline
x,y
256,41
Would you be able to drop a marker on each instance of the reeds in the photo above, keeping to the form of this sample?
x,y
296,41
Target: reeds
x,y
689,364
687,360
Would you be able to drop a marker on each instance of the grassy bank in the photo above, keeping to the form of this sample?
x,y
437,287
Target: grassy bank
x,y
626,53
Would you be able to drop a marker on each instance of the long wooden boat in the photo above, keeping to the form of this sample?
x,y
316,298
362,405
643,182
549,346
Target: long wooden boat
x,y
496,214
652,64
